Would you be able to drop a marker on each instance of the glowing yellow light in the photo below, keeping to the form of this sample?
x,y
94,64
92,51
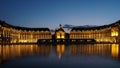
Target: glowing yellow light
x,y
0,50
60,50
114,33
63,48
23,40
62,37
58,36
115,50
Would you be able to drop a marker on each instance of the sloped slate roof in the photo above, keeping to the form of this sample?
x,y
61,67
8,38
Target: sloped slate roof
x,y
4,24
97,27
60,29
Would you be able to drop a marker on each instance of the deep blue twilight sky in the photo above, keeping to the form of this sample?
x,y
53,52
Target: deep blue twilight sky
x,y
51,13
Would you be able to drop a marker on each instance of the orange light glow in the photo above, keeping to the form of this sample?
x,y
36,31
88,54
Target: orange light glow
x,y
14,51
115,50
60,35
60,50
114,33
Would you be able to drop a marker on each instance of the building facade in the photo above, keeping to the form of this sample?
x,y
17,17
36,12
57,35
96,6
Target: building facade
x,y
105,33
16,34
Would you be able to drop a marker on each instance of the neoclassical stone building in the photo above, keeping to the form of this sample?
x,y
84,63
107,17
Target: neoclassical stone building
x,y
105,33
17,34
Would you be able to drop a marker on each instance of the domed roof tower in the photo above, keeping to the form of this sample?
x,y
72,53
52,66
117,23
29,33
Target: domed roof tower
x,y
60,33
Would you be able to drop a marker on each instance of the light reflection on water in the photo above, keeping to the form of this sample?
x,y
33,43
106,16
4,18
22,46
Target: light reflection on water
x,y
60,55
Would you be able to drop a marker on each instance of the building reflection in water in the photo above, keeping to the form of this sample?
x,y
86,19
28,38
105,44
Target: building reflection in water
x,y
60,48
0,54
90,49
115,50
13,51
96,49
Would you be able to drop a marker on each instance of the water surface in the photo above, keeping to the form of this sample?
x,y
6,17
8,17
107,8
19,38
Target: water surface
x,y
60,56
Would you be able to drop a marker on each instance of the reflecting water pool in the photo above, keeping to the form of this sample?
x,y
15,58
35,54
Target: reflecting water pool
x,y
60,56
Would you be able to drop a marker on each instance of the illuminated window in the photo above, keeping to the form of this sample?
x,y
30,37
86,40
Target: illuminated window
x,y
60,35
114,32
